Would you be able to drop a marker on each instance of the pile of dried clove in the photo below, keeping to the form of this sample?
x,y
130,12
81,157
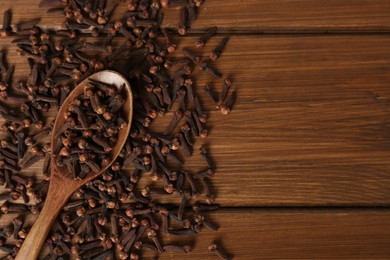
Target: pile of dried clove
x,y
112,216
90,131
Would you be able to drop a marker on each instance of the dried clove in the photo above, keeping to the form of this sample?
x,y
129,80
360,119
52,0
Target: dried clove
x,y
5,31
201,42
217,51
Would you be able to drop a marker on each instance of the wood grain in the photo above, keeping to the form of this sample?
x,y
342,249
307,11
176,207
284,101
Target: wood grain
x,y
257,15
311,124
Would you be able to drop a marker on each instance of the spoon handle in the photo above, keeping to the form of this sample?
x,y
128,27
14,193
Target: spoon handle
x,y
59,191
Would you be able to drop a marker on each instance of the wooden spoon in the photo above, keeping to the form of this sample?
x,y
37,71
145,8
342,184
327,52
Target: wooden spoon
x,y
62,186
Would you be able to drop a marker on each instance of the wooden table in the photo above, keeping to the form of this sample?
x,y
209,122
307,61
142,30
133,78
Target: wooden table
x,y
303,159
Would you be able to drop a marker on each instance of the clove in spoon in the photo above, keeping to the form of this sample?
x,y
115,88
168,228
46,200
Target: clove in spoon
x,y
62,185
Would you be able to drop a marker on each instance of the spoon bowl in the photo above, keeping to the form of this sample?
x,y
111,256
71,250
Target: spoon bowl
x,y
62,185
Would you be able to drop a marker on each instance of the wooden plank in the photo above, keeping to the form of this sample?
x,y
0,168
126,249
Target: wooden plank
x,y
290,234
258,16
295,15
311,123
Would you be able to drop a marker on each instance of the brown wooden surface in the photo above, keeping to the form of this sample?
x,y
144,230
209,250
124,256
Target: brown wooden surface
x,y
311,127
259,15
